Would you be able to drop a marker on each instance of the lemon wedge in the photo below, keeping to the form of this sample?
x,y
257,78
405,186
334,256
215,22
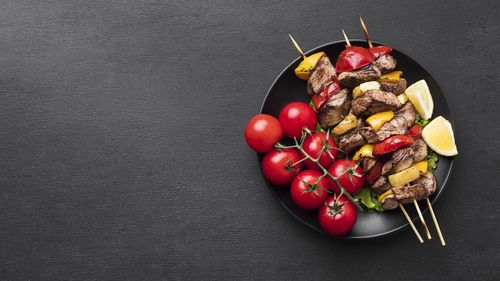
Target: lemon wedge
x,y
420,96
438,135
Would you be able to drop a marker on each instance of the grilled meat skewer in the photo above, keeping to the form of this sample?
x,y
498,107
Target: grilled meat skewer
x,y
419,189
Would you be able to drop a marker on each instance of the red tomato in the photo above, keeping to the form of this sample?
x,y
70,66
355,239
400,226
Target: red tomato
x,y
415,131
392,144
313,144
378,51
352,58
262,132
337,216
295,116
350,179
277,166
305,193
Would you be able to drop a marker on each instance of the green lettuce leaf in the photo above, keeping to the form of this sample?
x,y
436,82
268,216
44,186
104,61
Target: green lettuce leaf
x,y
432,160
368,198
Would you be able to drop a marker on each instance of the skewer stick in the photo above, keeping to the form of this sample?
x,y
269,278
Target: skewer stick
x,y
297,46
370,44
422,219
436,224
411,223
346,39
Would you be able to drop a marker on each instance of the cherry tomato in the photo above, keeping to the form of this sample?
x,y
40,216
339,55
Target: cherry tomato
x,y
349,175
415,131
378,51
295,116
262,132
392,144
307,192
337,216
352,58
277,166
313,144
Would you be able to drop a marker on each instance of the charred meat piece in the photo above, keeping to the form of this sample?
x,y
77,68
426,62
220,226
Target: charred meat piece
x,y
395,87
354,78
390,202
387,168
386,63
402,159
374,101
428,181
335,109
406,194
351,140
419,148
381,185
367,163
322,73
368,133
403,119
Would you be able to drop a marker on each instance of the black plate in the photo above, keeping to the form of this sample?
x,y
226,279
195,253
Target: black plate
x,y
287,88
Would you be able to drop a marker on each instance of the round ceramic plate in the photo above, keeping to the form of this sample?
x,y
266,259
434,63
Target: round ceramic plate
x,y
288,88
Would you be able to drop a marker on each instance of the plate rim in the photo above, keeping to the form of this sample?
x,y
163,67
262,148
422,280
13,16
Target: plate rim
x,y
373,236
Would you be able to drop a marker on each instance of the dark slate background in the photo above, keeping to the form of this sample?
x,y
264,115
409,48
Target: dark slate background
x,y
122,151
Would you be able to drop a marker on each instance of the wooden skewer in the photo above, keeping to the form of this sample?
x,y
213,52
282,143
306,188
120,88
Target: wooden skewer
x,y
346,39
436,224
370,44
411,223
422,219
297,46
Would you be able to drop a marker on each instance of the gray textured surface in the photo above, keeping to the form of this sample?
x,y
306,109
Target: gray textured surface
x,y
122,153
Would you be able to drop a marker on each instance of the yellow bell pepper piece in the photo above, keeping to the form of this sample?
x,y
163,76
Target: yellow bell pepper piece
x,y
307,65
404,177
349,122
393,76
384,195
421,166
379,119
402,98
365,151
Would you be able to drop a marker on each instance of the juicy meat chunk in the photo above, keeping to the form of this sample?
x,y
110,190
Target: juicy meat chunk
x,y
386,63
402,159
368,133
374,101
403,119
419,148
387,168
354,78
322,73
335,109
396,88
351,140
406,194
428,181
367,163
381,185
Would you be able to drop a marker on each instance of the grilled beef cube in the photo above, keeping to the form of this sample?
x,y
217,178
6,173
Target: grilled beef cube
x,y
402,159
386,168
351,140
419,148
322,74
381,185
367,163
354,78
406,194
335,109
374,101
403,119
389,203
368,133
386,63
428,181
396,88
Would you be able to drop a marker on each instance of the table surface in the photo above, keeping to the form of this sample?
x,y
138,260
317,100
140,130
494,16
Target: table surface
x,y
122,145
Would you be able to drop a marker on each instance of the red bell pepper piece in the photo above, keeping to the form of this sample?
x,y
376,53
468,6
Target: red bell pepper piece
x,y
378,51
415,131
322,97
352,58
392,144
375,172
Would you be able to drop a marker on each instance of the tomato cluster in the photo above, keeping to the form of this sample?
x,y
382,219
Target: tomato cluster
x,y
317,152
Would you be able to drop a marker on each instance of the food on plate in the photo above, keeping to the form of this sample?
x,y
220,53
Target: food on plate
x,y
262,132
296,116
280,166
367,140
309,189
337,216
438,134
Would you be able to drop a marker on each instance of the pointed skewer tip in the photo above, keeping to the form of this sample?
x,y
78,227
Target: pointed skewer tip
x,y
346,39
